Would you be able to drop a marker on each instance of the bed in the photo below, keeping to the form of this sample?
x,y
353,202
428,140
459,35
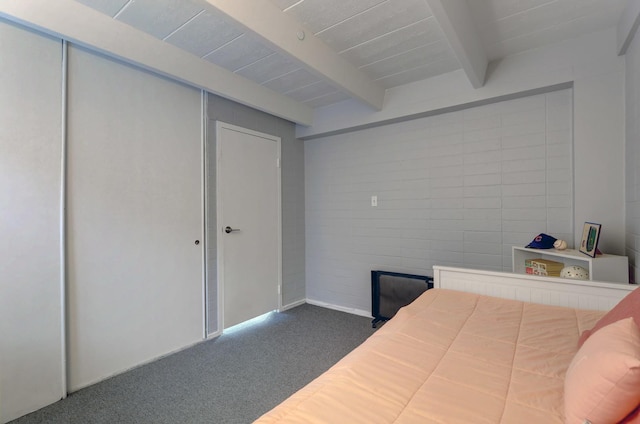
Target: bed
x,y
487,347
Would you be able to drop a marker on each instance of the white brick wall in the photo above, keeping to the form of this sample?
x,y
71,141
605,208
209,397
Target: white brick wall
x,y
454,189
632,156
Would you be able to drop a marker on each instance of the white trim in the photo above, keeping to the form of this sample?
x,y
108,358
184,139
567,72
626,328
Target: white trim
x,y
215,334
63,224
279,229
220,217
204,236
292,305
352,311
532,288
219,253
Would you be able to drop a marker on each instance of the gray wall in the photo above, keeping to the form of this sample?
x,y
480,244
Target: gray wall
x,y
293,220
632,157
590,63
455,189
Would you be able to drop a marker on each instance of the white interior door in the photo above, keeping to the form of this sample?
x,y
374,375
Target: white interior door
x,y
249,247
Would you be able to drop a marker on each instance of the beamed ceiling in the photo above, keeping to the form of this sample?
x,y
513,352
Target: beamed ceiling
x,y
314,53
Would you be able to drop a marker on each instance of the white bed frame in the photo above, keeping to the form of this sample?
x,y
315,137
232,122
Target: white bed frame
x,y
533,288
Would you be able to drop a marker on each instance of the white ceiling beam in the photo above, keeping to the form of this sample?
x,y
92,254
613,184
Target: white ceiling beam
x,y
459,29
79,24
628,25
282,33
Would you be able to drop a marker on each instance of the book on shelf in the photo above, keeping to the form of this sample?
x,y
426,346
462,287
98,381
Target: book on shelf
x,y
539,266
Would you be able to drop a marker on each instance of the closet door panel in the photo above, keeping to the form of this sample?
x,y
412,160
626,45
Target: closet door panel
x,y
135,213
31,345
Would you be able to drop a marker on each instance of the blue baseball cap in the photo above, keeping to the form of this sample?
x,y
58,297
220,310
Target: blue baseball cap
x,y
542,241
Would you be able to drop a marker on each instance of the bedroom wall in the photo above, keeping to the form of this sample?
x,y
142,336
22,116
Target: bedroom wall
x,y
455,189
590,64
292,163
632,156
31,336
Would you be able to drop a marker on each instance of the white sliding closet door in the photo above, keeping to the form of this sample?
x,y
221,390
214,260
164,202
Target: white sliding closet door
x,y
31,345
135,213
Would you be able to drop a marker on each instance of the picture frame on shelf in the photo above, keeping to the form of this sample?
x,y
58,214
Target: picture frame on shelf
x,y
590,238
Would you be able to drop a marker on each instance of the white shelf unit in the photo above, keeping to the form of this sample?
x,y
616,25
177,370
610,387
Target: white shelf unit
x,y
601,268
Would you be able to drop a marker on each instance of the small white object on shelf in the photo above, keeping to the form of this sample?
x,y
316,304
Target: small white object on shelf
x,y
560,245
605,267
575,272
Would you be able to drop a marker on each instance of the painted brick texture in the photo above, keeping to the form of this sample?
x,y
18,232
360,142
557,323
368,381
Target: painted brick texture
x,y
454,189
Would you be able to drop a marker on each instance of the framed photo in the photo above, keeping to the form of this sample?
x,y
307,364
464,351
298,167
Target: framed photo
x,y
590,237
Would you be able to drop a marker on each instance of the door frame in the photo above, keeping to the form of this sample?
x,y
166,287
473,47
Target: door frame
x,y
220,217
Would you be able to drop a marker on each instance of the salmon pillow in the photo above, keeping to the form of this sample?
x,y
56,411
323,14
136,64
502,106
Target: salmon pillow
x,y
602,384
629,306
632,418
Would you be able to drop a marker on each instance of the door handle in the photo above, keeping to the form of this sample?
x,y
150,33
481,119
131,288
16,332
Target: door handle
x,y
230,230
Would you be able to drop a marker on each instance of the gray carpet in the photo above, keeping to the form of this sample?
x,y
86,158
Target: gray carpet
x,y
232,379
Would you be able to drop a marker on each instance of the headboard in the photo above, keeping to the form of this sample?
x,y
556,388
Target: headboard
x,y
579,294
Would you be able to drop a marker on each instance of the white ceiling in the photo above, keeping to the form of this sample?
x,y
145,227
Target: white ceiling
x,y
387,42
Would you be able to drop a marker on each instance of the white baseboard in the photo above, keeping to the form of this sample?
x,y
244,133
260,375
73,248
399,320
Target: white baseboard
x,y
353,311
293,305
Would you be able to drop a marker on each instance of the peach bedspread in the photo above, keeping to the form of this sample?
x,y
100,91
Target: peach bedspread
x,y
449,357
